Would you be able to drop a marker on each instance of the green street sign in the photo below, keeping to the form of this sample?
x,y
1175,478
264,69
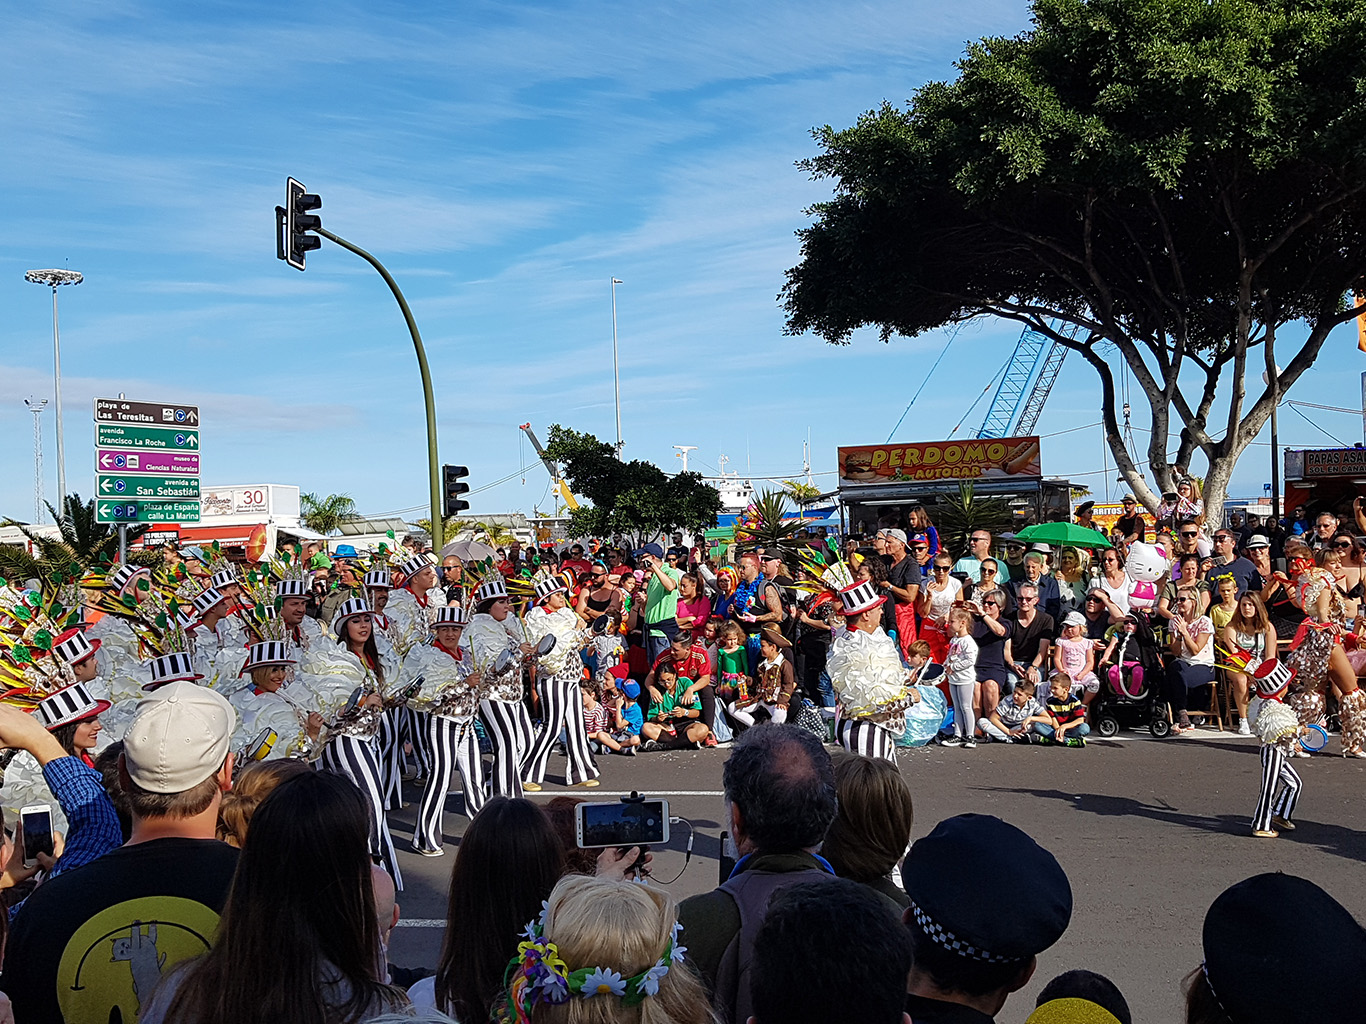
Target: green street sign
x,y
121,511
120,487
115,435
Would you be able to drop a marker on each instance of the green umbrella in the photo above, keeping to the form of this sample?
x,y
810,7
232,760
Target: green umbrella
x,y
1064,534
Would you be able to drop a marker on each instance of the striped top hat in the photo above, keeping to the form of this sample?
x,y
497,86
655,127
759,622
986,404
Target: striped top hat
x,y
124,576
69,704
207,599
549,586
1272,679
268,652
73,646
492,589
292,588
451,615
414,565
169,668
861,597
349,609
378,579
223,578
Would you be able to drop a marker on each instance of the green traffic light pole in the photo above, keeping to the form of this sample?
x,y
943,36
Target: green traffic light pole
x,y
433,466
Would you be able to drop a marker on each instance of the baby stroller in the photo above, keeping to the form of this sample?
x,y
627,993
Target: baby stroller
x,y
1131,682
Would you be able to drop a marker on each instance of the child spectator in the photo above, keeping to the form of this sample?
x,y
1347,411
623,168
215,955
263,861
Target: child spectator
x,y
732,663
674,723
923,668
775,685
1075,656
1011,720
960,666
1068,713
608,648
594,713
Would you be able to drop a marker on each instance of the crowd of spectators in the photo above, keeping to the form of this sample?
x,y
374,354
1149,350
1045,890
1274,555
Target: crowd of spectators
x,y
258,899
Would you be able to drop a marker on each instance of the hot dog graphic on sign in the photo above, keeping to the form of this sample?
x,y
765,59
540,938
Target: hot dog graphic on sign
x,y
973,459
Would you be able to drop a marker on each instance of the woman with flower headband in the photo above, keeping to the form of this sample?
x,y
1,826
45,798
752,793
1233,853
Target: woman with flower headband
x,y
604,950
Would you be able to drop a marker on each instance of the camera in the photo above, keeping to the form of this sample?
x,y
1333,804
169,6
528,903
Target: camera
x,y
628,822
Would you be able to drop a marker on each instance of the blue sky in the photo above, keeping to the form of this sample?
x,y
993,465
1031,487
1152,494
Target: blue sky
x,y
505,161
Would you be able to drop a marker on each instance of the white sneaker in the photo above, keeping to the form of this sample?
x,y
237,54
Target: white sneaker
x,y
952,741
969,744
1243,730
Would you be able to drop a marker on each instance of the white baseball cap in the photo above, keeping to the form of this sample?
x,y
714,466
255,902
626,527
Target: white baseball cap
x,y
178,738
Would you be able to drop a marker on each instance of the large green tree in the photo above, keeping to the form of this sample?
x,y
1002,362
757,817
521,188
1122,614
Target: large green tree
x,y
635,497
326,514
1167,183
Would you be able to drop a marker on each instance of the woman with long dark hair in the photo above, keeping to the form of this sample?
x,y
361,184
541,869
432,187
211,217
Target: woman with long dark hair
x,y
508,861
298,940
352,746
493,629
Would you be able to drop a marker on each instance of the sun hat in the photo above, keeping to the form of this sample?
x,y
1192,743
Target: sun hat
x,y
69,704
861,597
410,567
451,615
378,579
73,646
492,589
265,653
174,666
351,608
1074,618
178,738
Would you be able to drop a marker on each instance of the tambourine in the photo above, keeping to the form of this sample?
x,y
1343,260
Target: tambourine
x,y
260,747
1314,739
404,694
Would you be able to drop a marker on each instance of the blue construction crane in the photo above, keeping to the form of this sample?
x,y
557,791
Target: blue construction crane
x,y
1016,406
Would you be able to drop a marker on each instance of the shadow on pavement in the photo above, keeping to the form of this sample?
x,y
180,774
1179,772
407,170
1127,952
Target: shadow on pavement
x,y
1336,840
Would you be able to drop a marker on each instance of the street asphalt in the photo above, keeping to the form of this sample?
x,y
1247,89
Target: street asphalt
x,y
1149,832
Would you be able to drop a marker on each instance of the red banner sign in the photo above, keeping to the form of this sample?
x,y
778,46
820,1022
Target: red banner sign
x,y
976,458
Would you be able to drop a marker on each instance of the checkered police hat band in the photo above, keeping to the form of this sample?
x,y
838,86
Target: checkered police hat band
x,y
941,936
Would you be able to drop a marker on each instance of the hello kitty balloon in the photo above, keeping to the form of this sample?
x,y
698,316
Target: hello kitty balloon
x,y
1145,564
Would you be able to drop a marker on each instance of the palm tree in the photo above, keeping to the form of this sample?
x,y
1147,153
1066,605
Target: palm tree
x,y
763,525
326,515
958,516
83,543
802,494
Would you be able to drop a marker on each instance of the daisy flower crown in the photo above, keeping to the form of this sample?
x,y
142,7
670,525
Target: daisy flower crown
x,y
537,974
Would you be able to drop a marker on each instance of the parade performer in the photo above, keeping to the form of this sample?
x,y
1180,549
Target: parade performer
x,y
266,702
355,662
558,675
409,612
493,629
215,629
116,594
871,685
1280,730
449,700
1316,655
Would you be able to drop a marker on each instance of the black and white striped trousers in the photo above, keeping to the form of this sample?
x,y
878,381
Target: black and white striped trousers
x,y
867,738
453,744
510,732
389,752
561,707
1276,775
416,724
356,759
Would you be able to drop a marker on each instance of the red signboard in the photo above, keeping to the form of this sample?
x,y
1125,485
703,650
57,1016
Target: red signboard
x,y
972,459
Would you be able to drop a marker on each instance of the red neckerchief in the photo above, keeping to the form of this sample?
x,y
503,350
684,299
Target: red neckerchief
x,y
421,599
257,691
89,762
457,654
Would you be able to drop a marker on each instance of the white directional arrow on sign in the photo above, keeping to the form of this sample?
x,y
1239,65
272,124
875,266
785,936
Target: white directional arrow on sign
x,y
104,485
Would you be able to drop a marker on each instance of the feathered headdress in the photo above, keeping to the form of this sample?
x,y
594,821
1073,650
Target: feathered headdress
x,y
30,622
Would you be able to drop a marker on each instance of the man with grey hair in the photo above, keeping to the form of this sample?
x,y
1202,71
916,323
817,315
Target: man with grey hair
x,y
1325,525
1036,574
780,802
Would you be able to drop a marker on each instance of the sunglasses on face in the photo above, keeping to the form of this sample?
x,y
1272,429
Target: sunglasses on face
x,y
942,568
1188,535
991,604
989,572
1342,544
1027,600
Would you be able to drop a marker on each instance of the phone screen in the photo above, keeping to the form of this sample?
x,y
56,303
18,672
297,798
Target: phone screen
x,y
623,824
37,826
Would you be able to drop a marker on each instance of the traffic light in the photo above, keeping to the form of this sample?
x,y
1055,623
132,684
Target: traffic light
x,y
452,486
293,223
